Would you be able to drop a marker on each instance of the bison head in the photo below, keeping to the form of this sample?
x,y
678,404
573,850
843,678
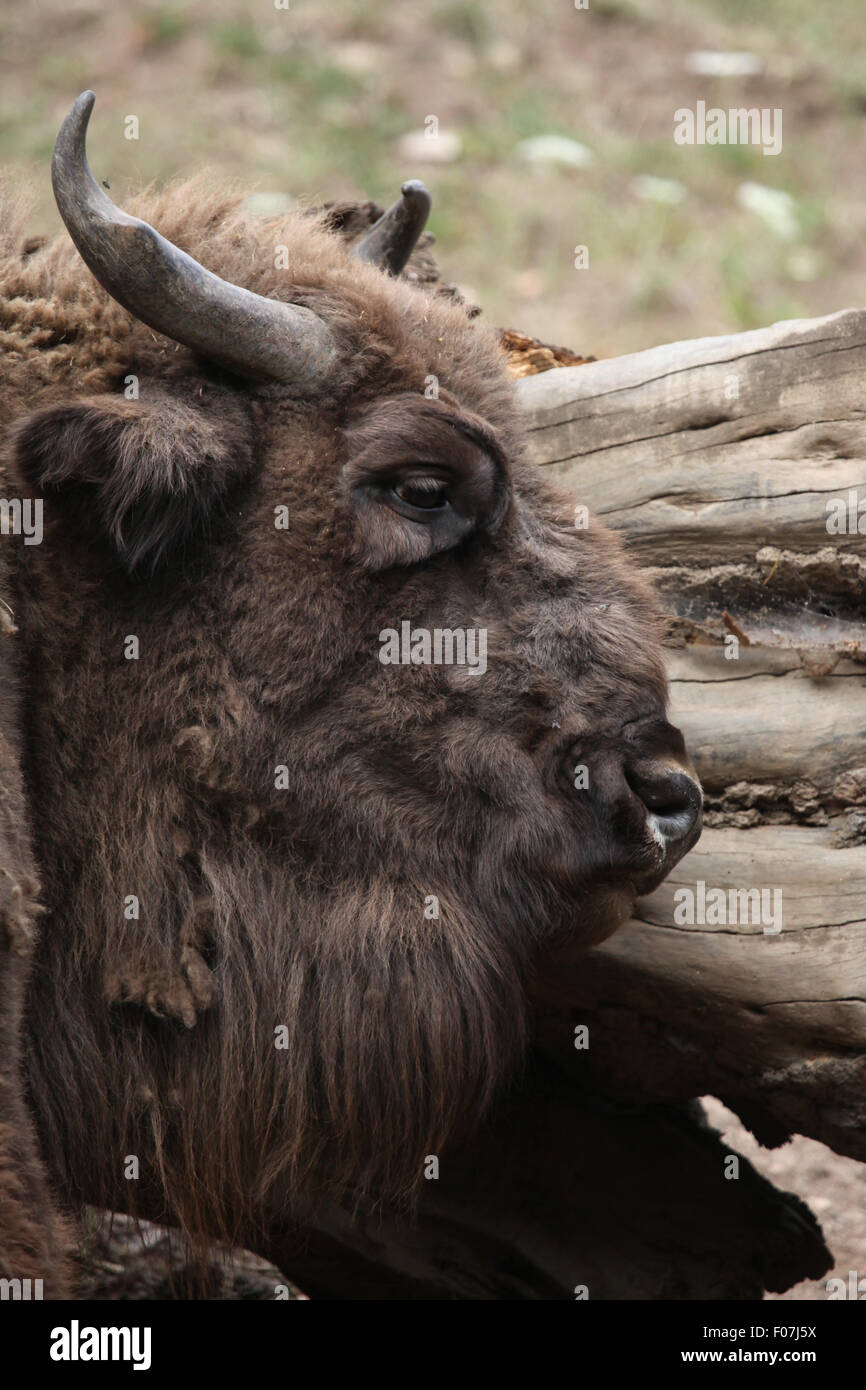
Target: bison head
x,y
339,726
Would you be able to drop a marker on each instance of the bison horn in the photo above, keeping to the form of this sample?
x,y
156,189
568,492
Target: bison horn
x,y
390,242
172,293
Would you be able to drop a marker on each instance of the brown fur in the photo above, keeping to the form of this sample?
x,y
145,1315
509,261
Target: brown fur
x,y
33,1237
302,907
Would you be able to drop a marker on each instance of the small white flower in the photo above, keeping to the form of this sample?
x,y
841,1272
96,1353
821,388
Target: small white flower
x,y
709,63
656,190
777,210
555,149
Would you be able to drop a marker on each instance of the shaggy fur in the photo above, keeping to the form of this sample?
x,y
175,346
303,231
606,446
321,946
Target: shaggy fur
x,y
33,1238
309,908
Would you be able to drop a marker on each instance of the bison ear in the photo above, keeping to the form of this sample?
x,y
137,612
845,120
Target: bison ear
x,y
149,477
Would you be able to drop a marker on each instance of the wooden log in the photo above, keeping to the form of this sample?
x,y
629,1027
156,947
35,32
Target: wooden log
x,y
717,460
765,717
566,1195
705,442
708,458
773,1021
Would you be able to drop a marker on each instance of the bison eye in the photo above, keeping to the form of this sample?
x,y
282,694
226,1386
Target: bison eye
x,y
422,494
420,477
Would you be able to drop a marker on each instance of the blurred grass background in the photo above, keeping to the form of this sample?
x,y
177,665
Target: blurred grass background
x,y
317,101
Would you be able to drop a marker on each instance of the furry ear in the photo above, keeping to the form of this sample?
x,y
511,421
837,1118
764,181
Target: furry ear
x,y
149,475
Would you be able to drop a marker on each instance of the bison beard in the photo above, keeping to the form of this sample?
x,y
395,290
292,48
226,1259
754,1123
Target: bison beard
x,y
237,981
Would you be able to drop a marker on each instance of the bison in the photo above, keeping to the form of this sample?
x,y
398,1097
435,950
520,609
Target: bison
x,y
302,850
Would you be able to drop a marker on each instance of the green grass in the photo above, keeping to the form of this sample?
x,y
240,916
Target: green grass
x,y
467,20
164,26
239,39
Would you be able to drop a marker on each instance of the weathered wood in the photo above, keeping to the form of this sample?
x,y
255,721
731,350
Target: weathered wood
x,y
707,443
773,1022
716,459
763,716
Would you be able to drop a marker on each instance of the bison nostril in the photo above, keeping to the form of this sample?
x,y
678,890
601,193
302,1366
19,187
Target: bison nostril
x,y
673,799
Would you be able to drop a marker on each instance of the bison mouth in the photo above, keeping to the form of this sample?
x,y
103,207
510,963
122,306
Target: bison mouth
x,y
635,802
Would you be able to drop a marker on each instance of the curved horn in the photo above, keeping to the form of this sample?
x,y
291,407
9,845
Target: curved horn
x,y
172,293
390,242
